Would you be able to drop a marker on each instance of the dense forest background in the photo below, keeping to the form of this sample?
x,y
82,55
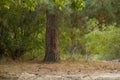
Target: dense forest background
x,y
87,28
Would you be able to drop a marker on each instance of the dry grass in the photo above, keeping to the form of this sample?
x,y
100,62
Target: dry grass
x,y
65,67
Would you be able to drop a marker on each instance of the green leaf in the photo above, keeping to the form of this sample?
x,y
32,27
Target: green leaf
x,y
6,6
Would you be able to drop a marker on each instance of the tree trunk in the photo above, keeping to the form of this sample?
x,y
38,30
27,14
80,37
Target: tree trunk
x,y
52,44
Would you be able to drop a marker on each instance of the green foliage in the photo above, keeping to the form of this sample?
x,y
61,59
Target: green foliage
x,y
104,10
55,6
27,4
104,43
22,27
19,29
71,41
21,21
38,49
77,4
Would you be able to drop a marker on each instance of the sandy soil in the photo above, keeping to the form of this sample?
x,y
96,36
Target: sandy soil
x,y
64,68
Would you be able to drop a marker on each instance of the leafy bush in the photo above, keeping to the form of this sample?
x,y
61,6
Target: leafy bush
x,y
105,43
19,30
71,41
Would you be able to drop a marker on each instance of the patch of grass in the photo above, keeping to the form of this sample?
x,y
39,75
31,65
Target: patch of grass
x,y
75,58
35,54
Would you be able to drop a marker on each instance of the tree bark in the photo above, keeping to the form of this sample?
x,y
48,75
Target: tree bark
x,y
52,44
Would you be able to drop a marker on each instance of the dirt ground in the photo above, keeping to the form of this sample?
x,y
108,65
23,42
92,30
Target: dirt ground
x,y
12,69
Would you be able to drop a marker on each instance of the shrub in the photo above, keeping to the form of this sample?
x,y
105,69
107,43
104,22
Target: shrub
x,y
105,43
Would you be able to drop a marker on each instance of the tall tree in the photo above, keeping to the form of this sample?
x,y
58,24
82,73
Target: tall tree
x,y
53,8
52,44
52,31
